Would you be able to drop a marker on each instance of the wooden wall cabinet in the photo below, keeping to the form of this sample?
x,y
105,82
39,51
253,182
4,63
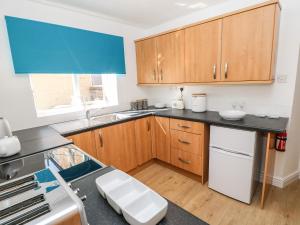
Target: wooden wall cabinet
x,y
162,138
203,52
143,139
247,45
116,145
85,141
160,60
238,47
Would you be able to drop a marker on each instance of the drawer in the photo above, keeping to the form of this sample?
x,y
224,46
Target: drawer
x,y
187,126
186,161
188,142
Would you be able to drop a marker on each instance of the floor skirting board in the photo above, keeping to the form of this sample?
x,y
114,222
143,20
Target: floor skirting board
x,y
282,182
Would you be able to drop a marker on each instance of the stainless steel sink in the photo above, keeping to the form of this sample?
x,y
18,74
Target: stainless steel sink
x,y
111,117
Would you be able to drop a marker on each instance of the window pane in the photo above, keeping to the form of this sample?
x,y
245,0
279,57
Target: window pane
x,y
52,91
91,87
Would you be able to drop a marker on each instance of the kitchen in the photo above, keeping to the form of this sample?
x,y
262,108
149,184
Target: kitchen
x,y
151,145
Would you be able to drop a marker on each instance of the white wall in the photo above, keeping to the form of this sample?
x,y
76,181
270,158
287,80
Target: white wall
x,y
276,98
16,100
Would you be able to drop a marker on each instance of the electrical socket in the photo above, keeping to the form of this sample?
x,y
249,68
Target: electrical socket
x,y
282,78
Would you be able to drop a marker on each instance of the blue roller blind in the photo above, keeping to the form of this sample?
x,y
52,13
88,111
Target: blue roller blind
x,y
39,47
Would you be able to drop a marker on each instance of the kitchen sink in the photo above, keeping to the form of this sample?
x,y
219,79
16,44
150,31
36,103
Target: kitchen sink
x,y
111,117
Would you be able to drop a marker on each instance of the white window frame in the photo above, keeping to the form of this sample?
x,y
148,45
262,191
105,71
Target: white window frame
x,y
78,104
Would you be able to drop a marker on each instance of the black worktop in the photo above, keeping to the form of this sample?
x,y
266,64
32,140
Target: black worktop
x,y
250,122
99,212
35,140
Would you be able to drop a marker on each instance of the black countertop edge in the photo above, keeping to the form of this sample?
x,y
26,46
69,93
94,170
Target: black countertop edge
x,y
250,122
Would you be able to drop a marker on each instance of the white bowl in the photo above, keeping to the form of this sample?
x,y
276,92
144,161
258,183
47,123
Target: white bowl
x,y
232,114
110,181
160,105
148,209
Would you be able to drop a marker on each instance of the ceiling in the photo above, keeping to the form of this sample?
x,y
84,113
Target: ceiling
x,y
142,13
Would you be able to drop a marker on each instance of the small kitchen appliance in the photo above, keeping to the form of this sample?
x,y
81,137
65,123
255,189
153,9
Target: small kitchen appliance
x,y
179,103
9,144
199,102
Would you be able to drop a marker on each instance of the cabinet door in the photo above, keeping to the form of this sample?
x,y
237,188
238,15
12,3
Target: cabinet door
x,y
85,142
102,155
117,146
143,140
146,60
247,45
170,55
162,138
203,52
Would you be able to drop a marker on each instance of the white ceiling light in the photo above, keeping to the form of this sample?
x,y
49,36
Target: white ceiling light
x,y
180,4
199,5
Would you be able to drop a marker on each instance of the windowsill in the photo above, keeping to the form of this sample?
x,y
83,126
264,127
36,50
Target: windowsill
x,y
71,109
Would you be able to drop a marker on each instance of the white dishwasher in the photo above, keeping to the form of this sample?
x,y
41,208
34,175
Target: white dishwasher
x,y
233,162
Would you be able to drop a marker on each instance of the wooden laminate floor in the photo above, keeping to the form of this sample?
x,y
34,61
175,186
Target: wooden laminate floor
x,y
282,207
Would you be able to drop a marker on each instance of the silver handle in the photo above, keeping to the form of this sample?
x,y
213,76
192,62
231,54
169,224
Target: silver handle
x,y
101,140
215,71
161,74
184,161
184,126
148,125
226,70
184,142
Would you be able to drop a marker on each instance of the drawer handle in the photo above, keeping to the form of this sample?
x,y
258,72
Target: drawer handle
x,y
184,161
184,142
184,126
148,126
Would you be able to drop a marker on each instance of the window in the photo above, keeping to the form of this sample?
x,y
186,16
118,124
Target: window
x,y
58,94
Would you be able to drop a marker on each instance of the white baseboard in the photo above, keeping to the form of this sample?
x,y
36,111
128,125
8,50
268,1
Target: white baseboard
x,y
282,182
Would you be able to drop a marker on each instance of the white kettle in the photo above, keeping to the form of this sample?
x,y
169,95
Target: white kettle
x,y
9,144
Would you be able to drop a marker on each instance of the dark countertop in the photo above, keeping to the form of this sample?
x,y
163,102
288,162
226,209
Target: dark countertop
x,y
250,122
35,140
99,212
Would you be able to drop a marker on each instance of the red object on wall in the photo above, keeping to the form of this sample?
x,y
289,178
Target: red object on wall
x,y
281,141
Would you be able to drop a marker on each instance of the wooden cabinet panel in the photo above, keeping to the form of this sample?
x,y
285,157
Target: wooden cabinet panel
x,y
146,60
203,52
85,141
247,44
116,146
143,140
170,55
162,138
187,161
187,126
187,142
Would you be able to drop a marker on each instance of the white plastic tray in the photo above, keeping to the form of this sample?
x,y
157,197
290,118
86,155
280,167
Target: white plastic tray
x,y
138,203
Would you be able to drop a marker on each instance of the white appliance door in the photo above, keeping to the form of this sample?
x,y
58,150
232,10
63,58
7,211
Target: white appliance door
x,y
233,139
231,174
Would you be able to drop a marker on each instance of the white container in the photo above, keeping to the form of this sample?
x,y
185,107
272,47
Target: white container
x,y
148,209
139,204
124,194
199,102
110,181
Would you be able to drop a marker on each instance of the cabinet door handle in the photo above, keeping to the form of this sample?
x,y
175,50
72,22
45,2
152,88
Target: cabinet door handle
x,y
148,125
100,140
183,126
215,71
161,74
154,74
184,161
226,70
184,142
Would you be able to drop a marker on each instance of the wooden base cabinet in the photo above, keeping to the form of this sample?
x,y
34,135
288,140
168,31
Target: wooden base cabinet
x,y
162,138
85,141
116,145
143,139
